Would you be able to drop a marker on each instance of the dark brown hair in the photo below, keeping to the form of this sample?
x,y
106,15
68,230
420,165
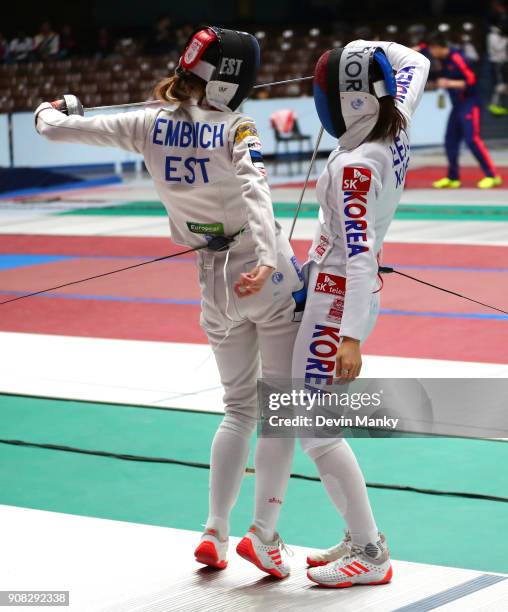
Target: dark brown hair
x,y
390,121
179,88
437,39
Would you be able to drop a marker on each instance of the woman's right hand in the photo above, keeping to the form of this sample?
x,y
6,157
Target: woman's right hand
x,y
349,359
252,282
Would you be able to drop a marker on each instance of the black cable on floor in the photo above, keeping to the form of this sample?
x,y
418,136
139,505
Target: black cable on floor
x,y
206,466
393,487
390,270
103,274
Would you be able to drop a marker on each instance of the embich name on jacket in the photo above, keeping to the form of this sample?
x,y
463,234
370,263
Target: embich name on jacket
x,y
169,133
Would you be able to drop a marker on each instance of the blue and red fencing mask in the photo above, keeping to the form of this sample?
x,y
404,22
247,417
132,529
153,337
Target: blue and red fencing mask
x,y
348,82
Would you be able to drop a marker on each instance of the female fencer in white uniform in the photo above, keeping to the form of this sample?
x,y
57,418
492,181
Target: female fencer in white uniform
x,y
365,95
206,163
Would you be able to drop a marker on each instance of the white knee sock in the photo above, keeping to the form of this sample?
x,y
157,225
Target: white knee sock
x,y
229,455
345,484
273,460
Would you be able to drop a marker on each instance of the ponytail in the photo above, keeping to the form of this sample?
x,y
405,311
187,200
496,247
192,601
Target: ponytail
x,y
390,121
179,88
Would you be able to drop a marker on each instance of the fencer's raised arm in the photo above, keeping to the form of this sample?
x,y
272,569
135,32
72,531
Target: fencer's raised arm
x,y
125,130
412,69
248,163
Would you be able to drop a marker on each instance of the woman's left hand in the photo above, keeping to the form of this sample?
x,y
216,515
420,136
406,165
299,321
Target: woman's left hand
x,y
252,282
349,359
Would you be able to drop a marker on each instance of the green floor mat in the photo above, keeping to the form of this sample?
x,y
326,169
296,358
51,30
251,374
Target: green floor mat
x,y
416,212
421,528
187,436
418,525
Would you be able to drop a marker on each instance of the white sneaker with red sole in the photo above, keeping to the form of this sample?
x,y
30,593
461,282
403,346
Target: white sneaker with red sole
x,y
267,556
211,551
369,565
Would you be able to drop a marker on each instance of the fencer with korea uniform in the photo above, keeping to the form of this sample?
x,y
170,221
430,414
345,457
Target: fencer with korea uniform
x,y
358,193
206,163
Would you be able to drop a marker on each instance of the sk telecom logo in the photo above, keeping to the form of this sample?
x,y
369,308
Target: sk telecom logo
x,y
356,179
330,283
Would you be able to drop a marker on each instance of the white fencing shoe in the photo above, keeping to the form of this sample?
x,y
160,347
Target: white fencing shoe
x,y
267,556
369,565
211,551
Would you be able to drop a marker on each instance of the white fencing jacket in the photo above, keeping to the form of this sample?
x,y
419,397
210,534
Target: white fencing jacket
x,y
206,165
358,193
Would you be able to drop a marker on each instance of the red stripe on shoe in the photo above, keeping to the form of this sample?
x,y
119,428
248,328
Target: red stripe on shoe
x,y
246,550
341,585
353,569
345,571
360,566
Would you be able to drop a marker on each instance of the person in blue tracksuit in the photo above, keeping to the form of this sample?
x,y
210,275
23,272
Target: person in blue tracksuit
x,y
458,78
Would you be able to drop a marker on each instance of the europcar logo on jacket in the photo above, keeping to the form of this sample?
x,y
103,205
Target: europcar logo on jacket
x,y
355,185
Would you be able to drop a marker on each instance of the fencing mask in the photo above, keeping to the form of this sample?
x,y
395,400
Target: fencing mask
x,y
227,60
348,82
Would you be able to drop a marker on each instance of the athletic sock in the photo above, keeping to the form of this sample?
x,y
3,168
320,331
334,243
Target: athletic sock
x,y
273,460
229,455
345,485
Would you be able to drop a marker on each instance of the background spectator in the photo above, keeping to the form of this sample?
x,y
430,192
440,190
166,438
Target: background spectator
x,y
104,45
3,47
468,46
20,48
67,42
182,35
47,42
469,50
127,47
499,14
416,35
146,50
497,48
162,39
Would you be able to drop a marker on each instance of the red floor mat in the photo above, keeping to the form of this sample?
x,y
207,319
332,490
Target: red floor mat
x,y
422,178
111,313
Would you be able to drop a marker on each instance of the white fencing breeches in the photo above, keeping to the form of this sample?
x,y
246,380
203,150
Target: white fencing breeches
x,y
249,336
334,459
316,354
